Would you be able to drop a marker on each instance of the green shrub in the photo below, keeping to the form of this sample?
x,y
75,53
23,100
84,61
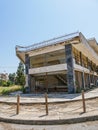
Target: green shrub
x,y
23,89
78,90
5,83
9,83
7,90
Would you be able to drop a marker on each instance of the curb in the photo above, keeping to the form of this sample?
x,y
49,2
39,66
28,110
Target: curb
x,y
50,122
43,103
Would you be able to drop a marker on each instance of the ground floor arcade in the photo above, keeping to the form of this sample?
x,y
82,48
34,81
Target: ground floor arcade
x,y
57,82
76,72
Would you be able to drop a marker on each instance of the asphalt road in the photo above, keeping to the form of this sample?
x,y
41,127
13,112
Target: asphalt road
x,y
80,126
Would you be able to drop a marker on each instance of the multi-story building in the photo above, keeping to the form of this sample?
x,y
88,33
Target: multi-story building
x,y
67,63
4,76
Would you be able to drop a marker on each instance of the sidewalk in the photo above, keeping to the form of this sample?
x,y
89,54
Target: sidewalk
x,y
54,97
68,112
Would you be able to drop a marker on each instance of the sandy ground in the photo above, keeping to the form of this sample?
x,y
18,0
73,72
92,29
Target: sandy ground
x,y
56,111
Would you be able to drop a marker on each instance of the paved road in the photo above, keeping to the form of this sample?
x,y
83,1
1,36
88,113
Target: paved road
x,y
80,126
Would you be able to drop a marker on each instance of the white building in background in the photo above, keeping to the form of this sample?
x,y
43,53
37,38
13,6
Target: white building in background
x,y
4,76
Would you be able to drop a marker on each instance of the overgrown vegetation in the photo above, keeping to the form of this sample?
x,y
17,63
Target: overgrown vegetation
x,y
15,82
17,78
7,90
20,77
5,83
12,78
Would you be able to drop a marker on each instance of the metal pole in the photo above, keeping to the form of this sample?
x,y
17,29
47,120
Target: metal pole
x,y
46,103
18,103
83,100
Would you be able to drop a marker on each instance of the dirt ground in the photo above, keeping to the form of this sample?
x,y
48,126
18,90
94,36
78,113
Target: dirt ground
x,y
56,111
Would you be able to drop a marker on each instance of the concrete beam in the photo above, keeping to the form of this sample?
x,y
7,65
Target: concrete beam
x,y
45,69
46,50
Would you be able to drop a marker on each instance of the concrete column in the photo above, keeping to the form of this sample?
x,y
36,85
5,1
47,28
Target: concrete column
x,y
70,69
93,79
79,78
83,80
89,80
88,75
97,81
33,84
28,77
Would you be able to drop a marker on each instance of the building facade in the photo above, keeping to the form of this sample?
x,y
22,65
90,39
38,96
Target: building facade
x,y
4,76
68,63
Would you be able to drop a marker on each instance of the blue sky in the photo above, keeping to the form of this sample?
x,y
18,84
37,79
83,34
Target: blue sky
x,y
24,22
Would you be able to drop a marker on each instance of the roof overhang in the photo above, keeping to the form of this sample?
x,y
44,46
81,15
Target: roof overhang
x,y
77,39
93,43
72,38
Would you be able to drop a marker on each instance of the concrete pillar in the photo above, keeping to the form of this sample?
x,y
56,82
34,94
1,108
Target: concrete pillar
x,y
79,78
33,82
89,80
83,80
97,81
94,80
28,77
88,75
70,69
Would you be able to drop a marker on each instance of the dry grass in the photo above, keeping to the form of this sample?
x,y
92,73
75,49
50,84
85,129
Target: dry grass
x,y
7,90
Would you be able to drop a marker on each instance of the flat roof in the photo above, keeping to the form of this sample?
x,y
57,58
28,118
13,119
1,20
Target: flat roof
x,y
52,41
88,49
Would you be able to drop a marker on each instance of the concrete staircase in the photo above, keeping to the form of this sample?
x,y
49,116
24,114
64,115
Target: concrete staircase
x,y
61,79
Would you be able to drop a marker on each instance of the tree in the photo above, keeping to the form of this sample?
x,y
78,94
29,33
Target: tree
x,y
12,77
20,76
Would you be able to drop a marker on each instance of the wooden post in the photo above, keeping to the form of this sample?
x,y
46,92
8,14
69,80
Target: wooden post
x,y
83,100
46,103
18,103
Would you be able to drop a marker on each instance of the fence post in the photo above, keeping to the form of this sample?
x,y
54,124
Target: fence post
x,y
83,100
46,103
18,103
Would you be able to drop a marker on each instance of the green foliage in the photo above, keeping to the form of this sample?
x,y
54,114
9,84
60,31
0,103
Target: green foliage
x,y
20,78
23,90
12,78
0,82
17,78
9,83
78,90
5,83
7,90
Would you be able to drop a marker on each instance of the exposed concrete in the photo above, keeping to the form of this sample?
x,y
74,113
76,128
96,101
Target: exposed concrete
x,y
28,77
51,68
70,69
49,122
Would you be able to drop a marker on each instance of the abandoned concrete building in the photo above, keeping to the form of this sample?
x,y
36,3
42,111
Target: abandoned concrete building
x,y
68,63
